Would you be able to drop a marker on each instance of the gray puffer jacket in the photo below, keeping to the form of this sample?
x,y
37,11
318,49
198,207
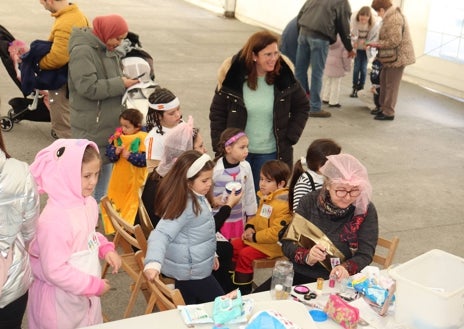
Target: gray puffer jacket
x,y
95,88
19,210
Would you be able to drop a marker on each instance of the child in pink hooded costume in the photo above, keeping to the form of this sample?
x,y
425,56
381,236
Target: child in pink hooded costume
x,y
66,249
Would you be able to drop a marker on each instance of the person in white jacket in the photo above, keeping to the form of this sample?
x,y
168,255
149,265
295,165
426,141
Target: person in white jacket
x,y
337,65
19,209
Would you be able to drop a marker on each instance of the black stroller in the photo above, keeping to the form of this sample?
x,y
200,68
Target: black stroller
x,y
29,107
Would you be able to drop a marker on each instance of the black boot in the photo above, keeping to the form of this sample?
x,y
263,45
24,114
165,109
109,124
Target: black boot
x,y
243,281
354,94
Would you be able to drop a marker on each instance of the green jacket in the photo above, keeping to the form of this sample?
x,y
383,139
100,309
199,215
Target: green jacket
x,y
95,88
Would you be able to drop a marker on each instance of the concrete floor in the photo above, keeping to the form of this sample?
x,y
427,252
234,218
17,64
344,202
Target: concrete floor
x,y
415,163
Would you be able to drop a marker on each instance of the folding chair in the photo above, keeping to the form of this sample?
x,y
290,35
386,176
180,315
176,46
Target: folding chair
x,y
161,297
145,222
385,251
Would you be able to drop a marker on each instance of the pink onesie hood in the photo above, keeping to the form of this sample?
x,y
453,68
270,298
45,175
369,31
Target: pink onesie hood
x,y
57,170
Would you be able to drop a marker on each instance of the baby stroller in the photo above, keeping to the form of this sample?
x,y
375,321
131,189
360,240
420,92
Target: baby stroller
x,y
137,63
29,107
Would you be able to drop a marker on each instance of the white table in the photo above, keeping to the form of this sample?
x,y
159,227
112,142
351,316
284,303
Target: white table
x,y
292,310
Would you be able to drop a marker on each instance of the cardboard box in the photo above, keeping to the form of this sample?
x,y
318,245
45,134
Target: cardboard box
x,y
430,291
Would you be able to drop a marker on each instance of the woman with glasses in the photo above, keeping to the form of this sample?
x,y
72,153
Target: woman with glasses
x,y
334,230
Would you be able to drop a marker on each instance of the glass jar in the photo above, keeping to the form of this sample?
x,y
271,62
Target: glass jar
x,y
282,279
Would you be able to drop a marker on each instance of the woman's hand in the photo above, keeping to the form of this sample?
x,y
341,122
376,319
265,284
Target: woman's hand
x,y
316,254
114,260
340,272
151,274
248,234
129,82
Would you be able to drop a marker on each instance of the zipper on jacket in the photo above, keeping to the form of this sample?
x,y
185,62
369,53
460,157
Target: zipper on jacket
x,y
98,111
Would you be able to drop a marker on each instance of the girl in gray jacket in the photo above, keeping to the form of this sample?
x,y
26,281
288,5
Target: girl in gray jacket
x,y
183,244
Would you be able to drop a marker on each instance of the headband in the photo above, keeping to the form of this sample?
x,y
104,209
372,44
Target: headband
x,y
197,165
234,138
165,106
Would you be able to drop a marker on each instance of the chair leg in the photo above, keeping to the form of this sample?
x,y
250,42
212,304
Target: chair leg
x,y
133,296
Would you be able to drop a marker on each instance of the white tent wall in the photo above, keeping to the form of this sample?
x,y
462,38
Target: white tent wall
x,y
428,71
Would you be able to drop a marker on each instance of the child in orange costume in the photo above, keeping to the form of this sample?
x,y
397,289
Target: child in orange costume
x,y
127,151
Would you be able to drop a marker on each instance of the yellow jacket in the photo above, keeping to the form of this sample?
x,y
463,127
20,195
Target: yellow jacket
x,y
65,20
272,211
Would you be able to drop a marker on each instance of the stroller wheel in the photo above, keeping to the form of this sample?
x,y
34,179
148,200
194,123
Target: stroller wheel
x,y
12,114
53,133
6,124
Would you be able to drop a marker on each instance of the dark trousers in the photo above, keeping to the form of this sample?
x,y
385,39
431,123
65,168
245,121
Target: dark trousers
x,y
199,291
225,251
11,316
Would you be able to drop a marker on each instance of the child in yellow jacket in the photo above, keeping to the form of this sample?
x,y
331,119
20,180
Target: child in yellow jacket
x,y
261,236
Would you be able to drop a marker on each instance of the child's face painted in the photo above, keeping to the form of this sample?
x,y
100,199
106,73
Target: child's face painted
x,y
89,176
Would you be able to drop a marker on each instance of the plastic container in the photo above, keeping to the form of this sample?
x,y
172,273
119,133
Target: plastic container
x,y
233,185
430,291
282,279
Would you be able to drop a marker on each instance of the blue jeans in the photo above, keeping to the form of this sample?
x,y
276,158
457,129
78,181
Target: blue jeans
x,y
311,51
256,161
103,180
360,69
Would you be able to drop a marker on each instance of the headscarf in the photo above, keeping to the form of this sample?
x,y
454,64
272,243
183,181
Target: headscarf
x,y
108,27
346,169
178,140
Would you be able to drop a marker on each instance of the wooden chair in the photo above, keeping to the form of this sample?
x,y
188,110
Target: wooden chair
x,y
385,251
129,238
161,297
145,222
264,263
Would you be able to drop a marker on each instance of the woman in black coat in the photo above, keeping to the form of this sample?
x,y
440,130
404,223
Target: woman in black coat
x,y
258,93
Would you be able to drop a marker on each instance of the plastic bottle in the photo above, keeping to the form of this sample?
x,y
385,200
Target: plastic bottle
x,y
282,279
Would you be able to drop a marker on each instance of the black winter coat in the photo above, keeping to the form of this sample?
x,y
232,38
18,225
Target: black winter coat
x,y
291,106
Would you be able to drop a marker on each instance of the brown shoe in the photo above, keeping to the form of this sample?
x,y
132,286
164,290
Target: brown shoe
x,y
320,114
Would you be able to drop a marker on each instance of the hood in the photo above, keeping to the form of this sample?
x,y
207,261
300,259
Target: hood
x,y
279,194
57,170
232,73
84,37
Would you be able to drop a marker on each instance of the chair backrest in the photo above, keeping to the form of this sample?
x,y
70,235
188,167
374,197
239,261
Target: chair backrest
x,y
385,251
145,222
125,232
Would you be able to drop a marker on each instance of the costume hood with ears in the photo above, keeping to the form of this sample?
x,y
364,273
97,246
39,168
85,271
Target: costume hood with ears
x,y
57,170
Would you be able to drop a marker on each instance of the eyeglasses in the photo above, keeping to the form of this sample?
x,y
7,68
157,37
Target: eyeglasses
x,y
343,193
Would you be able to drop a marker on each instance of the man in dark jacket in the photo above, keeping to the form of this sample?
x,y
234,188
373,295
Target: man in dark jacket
x,y
320,21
